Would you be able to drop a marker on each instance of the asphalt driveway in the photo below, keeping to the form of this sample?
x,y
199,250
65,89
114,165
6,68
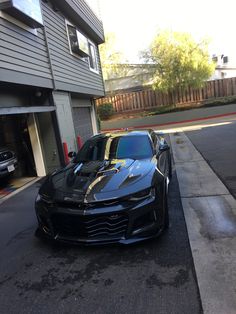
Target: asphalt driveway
x,y
218,147
36,277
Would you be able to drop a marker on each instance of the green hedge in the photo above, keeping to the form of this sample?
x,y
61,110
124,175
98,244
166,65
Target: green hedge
x,y
105,111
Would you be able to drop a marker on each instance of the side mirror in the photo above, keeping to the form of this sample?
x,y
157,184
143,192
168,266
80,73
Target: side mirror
x,y
72,154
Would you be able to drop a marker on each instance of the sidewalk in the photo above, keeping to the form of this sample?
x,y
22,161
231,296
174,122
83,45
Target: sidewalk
x,y
171,118
210,214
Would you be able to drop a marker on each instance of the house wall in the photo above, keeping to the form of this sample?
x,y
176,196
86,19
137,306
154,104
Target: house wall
x,y
81,14
87,15
71,73
38,73
23,55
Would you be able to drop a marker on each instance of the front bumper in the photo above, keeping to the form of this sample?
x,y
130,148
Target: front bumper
x,y
4,167
122,223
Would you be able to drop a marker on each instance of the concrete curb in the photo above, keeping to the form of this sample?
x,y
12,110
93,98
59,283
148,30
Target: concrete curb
x,y
210,214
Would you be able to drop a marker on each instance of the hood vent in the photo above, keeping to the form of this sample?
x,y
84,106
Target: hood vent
x,y
108,172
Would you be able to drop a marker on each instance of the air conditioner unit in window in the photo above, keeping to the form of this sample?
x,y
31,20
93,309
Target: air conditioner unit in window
x,y
28,12
83,48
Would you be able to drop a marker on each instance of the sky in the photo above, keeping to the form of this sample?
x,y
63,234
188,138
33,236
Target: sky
x,y
135,22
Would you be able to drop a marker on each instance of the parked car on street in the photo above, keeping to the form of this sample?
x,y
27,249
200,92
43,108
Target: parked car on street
x,y
113,190
8,162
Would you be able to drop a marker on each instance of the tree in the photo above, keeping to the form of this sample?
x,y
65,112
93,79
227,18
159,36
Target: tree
x,y
179,61
112,60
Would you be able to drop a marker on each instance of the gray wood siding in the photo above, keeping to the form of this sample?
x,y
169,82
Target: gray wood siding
x,y
83,16
24,53
89,16
70,72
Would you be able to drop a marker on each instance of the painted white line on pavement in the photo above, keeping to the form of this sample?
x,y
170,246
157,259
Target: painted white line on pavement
x,y
19,190
210,215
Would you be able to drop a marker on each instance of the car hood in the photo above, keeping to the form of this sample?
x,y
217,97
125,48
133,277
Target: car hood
x,y
98,180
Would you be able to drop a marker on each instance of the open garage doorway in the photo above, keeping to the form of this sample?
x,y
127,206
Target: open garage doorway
x,y
14,135
15,140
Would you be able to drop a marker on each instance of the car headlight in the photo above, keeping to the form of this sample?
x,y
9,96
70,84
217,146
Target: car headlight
x,y
141,195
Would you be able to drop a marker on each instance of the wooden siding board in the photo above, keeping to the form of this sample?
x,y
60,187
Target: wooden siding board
x,y
23,69
61,69
68,68
25,54
13,76
78,89
81,14
28,46
27,62
21,41
16,29
89,16
69,74
10,49
73,80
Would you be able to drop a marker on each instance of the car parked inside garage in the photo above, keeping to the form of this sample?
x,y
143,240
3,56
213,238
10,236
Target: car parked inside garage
x,y
113,190
8,162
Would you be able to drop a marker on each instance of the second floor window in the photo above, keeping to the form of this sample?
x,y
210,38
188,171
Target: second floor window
x,y
74,46
82,47
93,64
78,42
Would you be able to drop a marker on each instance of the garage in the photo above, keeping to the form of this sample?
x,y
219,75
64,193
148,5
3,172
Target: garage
x,y
14,136
83,118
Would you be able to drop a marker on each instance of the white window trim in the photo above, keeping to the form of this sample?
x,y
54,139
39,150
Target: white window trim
x,y
18,23
96,58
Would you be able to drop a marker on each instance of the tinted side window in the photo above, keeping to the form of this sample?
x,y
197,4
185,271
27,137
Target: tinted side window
x,y
91,150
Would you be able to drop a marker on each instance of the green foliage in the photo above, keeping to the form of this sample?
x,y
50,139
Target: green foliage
x,y
105,111
112,60
179,61
220,101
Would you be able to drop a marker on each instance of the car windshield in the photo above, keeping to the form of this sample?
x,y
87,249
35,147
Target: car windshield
x,y
118,147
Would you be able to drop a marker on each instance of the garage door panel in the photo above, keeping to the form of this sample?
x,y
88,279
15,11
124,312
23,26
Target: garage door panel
x,y
82,122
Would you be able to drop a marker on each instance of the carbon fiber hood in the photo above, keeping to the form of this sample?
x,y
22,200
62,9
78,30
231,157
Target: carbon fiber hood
x,y
99,180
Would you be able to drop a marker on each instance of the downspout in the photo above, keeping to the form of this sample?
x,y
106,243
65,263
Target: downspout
x,y
51,101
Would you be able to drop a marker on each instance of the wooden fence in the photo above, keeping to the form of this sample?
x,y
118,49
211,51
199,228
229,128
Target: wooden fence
x,y
148,98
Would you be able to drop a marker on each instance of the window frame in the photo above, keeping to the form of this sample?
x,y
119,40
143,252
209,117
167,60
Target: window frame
x,y
95,61
84,59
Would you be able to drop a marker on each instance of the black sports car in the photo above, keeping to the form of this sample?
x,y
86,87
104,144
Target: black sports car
x,y
114,190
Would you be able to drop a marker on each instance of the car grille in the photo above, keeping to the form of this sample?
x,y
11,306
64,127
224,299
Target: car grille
x,y
109,226
5,156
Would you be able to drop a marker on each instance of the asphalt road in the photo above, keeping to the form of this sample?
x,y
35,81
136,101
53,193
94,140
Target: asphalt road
x,y
218,147
37,277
